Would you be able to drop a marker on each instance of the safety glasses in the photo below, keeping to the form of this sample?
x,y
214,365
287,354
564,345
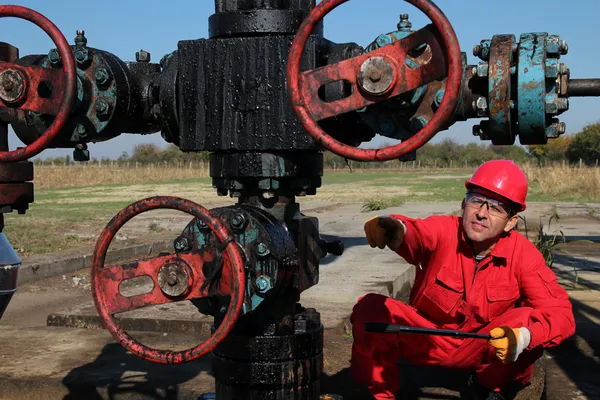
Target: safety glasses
x,y
495,207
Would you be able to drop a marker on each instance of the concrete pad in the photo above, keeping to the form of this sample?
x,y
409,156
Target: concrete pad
x,y
180,317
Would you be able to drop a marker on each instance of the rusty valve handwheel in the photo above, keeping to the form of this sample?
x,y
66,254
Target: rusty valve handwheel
x,y
176,277
389,76
21,84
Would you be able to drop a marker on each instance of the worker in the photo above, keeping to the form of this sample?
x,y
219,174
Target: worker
x,y
474,273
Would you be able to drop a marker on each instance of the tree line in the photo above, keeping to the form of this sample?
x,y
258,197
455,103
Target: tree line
x,y
580,148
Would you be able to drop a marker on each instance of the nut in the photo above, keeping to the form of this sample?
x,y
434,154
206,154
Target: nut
x,y
142,56
481,107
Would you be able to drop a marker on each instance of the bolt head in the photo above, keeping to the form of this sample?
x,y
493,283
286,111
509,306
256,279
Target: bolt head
x,y
102,107
101,76
481,107
238,221
563,47
439,96
482,69
80,130
82,56
142,56
263,284
262,249
551,103
476,50
54,56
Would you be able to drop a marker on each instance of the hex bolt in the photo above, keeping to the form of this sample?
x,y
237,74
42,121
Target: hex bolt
x,y
81,55
262,249
563,69
483,50
80,131
142,56
482,69
476,130
551,103
202,224
181,244
481,107
238,221
102,107
552,68
263,284
418,123
563,103
54,56
383,40
563,47
101,76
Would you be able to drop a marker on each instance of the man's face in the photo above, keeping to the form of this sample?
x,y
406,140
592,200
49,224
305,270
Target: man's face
x,y
486,216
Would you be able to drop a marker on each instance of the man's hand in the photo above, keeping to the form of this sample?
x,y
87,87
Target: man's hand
x,y
385,231
509,342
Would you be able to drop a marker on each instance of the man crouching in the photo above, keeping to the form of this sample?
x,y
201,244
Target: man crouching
x,y
474,274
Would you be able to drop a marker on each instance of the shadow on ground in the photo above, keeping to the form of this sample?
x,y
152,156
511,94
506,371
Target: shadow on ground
x,y
115,373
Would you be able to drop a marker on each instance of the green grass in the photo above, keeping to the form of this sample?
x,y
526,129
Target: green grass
x,y
57,212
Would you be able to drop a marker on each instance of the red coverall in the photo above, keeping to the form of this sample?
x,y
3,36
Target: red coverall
x,y
512,287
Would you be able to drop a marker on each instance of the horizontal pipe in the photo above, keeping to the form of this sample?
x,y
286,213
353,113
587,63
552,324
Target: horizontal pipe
x,y
583,87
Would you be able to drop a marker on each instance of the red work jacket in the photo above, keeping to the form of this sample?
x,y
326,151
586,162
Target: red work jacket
x,y
452,294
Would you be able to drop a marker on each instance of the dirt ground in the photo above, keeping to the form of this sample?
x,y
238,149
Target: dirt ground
x,y
37,361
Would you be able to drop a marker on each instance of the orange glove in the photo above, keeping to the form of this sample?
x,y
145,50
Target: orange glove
x,y
509,342
385,231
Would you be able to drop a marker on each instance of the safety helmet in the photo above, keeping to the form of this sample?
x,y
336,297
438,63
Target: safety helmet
x,y
504,178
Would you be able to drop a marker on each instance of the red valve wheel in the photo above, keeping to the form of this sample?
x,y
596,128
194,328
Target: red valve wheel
x,y
185,269
32,76
309,108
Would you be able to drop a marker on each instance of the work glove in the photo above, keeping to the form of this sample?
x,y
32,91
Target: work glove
x,y
385,231
509,342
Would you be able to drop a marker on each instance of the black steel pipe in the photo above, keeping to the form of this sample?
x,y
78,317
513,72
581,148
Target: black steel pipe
x,y
381,327
583,87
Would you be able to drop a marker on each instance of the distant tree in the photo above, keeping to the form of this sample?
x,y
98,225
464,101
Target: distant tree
x,y
585,145
554,151
146,153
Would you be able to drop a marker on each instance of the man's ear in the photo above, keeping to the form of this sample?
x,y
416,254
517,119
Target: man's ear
x,y
511,223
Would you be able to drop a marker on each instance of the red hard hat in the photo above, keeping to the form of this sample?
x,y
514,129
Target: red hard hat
x,y
504,178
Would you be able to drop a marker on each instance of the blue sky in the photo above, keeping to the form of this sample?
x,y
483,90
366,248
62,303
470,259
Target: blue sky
x,y
123,27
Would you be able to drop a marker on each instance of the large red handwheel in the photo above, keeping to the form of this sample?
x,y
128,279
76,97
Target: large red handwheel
x,y
29,78
309,108
176,277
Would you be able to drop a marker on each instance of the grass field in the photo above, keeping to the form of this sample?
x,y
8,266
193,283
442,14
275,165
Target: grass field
x,y
73,204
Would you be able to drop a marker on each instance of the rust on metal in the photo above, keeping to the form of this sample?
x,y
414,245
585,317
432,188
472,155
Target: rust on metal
x,y
8,52
17,172
303,87
31,79
499,95
17,195
395,54
105,280
66,85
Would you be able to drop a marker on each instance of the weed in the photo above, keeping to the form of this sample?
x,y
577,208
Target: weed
x,y
381,203
155,227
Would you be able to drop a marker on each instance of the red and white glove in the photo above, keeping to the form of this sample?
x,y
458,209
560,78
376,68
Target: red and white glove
x,y
509,342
